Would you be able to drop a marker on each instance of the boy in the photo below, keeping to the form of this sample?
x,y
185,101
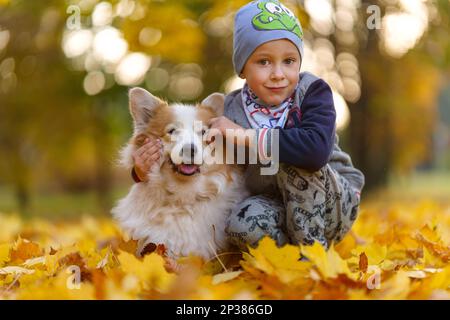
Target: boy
x,y
315,195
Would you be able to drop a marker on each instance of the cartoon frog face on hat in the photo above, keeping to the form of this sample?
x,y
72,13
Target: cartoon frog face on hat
x,y
275,16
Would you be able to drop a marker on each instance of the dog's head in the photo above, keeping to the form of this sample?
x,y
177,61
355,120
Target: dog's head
x,y
180,127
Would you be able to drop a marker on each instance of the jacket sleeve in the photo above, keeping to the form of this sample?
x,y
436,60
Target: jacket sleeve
x,y
309,145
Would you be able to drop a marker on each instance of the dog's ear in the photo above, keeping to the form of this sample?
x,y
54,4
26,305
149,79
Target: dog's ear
x,y
216,102
142,107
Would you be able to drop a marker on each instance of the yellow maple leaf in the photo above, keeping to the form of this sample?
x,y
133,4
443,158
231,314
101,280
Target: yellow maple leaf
x,y
15,270
57,288
55,261
431,260
329,263
4,253
150,270
408,261
282,262
375,253
432,242
436,282
441,279
225,276
235,289
23,250
345,247
395,288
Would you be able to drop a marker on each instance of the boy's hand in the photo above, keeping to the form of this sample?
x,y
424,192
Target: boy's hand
x,y
220,125
146,156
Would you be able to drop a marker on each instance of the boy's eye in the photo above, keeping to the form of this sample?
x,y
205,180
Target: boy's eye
x,y
289,61
263,62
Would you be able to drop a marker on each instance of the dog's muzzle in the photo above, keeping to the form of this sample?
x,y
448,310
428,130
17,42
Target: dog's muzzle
x,y
188,152
188,167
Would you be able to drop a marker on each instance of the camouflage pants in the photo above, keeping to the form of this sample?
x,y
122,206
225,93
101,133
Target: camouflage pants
x,y
319,206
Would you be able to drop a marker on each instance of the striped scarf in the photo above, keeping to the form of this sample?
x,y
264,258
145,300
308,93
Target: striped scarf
x,y
261,116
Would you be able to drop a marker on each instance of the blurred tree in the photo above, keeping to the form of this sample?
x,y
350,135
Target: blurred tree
x,y
393,116
63,103
392,123
52,135
34,91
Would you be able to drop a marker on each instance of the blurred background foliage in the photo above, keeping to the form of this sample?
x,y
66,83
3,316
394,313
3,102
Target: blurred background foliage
x,y
66,67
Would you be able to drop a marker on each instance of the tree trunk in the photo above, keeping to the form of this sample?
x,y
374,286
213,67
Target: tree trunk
x,y
103,162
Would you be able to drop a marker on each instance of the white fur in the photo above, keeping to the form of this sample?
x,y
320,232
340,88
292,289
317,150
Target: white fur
x,y
185,121
182,216
185,221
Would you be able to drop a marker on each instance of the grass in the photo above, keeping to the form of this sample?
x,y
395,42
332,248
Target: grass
x,y
62,206
433,185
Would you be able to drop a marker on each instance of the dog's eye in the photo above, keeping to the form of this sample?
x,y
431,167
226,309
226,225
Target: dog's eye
x,y
171,131
203,132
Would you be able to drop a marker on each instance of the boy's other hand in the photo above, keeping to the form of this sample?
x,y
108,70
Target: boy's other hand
x,y
146,156
220,125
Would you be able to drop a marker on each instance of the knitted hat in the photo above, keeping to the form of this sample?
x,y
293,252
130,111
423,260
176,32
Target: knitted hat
x,y
259,22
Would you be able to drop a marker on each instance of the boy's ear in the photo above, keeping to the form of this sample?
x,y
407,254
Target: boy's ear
x,y
142,107
216,102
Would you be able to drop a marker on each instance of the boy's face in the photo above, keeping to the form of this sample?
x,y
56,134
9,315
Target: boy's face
x,y
272,71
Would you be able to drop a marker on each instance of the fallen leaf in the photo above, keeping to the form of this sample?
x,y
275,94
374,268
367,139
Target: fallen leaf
x,y
282,262
4,253
224,277
329,263
363,262
15,270
150,270
24,250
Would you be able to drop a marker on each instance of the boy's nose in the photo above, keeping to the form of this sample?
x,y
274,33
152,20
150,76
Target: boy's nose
x,y
277,73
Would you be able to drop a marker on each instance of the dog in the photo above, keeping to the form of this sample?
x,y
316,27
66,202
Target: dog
x,y
186,201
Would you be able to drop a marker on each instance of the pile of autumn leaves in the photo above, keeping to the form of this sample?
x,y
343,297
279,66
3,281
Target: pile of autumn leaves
x,y
393,252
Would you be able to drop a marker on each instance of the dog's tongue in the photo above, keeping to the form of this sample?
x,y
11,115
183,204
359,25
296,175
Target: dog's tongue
x,y
187,168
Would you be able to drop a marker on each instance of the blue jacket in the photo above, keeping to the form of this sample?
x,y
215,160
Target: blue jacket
x,y
308,139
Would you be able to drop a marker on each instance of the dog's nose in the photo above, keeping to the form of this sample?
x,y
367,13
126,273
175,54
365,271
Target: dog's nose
x,y
189,150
